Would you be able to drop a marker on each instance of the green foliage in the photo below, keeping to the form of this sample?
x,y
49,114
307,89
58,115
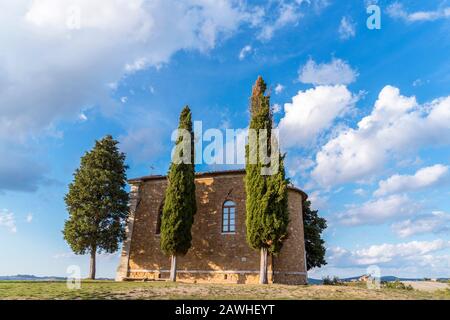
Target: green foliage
x,y
314,244
396,285
97,201
266,204
331,281
180,203
277,218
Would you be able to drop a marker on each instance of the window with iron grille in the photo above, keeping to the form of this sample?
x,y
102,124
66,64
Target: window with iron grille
x,y
229,217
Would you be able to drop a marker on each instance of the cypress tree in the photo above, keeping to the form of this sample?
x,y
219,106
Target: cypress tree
x,y
180,203
266,195
97,202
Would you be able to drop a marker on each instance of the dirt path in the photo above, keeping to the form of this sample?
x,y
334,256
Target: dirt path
x,y
429,286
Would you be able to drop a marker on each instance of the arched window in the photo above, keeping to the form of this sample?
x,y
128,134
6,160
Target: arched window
x,y
229,217
158,219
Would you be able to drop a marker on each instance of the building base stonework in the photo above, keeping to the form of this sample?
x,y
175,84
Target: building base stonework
x,y
226,276
219,254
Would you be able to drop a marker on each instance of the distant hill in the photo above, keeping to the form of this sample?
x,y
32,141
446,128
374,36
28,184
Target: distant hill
x,y
29,277
314,281
383,278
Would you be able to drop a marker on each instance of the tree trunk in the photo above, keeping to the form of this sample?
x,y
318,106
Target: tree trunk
x,y
263,267
173,268
92,269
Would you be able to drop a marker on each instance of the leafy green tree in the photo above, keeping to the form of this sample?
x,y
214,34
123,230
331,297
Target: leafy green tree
x,y
180,202
314,244
267,214
97,202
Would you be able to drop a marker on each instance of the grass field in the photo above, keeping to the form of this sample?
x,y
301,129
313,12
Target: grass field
x,y
165,290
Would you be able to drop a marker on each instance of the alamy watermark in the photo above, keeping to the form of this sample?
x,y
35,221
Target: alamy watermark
x,y
229,149
373,277
73,18
374,20
73,281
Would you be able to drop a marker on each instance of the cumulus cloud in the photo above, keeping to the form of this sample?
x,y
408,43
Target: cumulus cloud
x,y
423,178
51,68
378,211
396,10
311,112
435,222
59,59
387,254
29,218
8,220
347,28
396,125
335,72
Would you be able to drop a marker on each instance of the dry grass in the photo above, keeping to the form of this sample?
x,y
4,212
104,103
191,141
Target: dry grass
x,y
166,290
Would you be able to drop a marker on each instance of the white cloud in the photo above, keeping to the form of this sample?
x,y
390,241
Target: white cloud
x,y
245,51
50,70
360,192
318,200
298,165
387,254
420,82
288,13
279,88
124,99
396,10
397,125
311,112
347,28
7,220
378,211
29,218
333,73
82,117
423,178
435,222
276,108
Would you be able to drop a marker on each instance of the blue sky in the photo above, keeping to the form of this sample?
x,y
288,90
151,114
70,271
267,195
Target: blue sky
x,y
364,115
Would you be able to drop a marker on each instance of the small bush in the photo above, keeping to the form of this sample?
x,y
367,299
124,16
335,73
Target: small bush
x,y
396,285
331,281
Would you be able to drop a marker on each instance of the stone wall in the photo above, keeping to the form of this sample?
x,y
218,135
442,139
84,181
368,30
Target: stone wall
x,y
214,256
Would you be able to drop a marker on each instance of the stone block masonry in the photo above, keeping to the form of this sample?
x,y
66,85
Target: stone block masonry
x,y
215,255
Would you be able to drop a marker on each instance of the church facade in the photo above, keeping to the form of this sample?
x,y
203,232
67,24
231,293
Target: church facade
x,y
219,251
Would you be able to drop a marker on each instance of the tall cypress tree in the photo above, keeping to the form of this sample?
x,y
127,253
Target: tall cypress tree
x,y
180,203
97,202
266,203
